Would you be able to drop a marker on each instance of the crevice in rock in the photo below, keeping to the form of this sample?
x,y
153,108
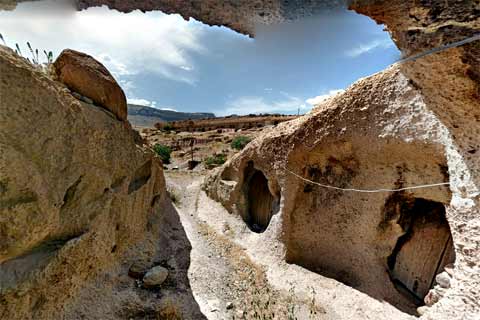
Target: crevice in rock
x,y
70,193
141,177
20,269
25,198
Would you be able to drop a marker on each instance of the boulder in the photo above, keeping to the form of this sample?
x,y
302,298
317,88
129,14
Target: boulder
x,y
443,280
88,77
138,269
155,276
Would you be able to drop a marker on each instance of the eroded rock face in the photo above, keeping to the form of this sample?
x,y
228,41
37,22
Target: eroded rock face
x,y
425,114
80,200
238,15
380,133
88,77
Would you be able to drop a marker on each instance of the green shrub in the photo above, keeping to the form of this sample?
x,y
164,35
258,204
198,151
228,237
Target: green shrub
x,y
163,151
216,160
240,142
168,127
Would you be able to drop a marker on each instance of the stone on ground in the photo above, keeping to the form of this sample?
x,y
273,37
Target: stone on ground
x,y
155,276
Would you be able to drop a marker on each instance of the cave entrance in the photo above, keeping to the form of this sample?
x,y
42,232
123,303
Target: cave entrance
x,y
425,248
260,202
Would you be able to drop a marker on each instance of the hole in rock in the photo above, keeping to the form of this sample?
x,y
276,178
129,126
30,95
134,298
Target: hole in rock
x,y
423,250
261,204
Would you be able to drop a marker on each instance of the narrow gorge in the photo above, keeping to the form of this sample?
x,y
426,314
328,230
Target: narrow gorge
x,y
366,207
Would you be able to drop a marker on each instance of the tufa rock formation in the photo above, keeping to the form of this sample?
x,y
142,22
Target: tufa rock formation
x,y
81,199
416,123
378,134
239,15
88,77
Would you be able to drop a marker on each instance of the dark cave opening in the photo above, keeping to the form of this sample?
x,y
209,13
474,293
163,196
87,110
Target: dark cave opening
x,y
261,204
423,250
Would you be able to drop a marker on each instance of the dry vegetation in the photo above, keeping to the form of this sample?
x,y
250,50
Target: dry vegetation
x,y
210,149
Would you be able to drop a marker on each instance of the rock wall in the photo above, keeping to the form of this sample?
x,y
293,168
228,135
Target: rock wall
x,y
80,199
380,133
421,116
231,122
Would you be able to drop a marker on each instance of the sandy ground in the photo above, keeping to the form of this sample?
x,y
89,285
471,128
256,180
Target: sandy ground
x,y
237,274
225,282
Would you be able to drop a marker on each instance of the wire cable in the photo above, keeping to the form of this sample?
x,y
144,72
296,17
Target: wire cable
x,y
440,49
368,190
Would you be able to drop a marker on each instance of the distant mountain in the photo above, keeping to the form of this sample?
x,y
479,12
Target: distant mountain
x,y
142,116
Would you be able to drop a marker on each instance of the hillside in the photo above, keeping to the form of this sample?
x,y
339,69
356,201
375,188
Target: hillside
x,y
143,116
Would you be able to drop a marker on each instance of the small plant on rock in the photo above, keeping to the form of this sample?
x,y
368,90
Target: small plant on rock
x,y
240,142
163,152
35,54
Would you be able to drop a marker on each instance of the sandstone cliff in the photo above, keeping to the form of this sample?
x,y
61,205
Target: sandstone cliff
x,y
413,124
81,199
417,123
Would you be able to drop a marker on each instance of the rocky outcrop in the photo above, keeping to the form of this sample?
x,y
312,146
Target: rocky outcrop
x,y
422,118
230,122
9,4
379,134
80,200
239,15
88,77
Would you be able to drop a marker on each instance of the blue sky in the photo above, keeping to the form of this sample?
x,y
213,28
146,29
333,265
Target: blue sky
x,y
166,62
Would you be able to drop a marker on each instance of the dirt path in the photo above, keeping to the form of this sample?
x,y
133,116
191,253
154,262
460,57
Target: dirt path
x,y
225,282
237,274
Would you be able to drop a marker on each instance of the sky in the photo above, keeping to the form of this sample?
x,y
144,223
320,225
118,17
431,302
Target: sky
x,y
167,62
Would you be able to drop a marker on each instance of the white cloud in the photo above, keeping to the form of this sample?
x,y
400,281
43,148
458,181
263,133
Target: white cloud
x,y
142,102
148,103
247,105
367,47
127,44
319,99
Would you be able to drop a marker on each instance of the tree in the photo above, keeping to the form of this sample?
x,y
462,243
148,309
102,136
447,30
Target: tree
x,y
163,152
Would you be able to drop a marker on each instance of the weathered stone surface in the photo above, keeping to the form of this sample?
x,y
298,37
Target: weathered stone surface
x,y
436,121
239,15
88,77
155,276
80,200
380,133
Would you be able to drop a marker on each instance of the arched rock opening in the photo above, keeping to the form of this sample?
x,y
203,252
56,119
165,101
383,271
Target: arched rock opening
x,y
261,204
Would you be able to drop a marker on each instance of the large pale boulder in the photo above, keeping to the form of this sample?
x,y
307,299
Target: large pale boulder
x,y
88,77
